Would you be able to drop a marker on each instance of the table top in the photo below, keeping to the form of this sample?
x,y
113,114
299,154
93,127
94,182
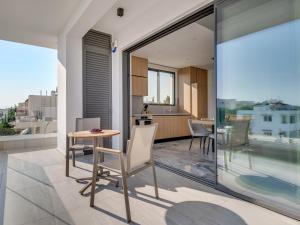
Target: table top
x,y
88,134
207,122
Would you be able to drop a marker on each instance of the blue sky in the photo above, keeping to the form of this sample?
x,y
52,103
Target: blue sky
x,y
261,65
25,70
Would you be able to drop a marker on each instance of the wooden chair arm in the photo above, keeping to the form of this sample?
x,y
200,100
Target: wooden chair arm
x,y
108,150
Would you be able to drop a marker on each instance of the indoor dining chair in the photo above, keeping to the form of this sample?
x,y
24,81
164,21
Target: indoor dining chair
x,y
198,130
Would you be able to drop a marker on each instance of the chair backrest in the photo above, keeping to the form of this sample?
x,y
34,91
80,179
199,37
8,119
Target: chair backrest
x,y
139,149
196,127
238,134
86,124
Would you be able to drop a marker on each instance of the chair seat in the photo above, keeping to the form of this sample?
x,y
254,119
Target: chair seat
x,y
115,164
78,147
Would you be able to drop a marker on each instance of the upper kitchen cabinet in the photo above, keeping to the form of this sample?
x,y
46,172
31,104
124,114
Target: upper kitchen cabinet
x,y
139,86
139,76
139,66
192,90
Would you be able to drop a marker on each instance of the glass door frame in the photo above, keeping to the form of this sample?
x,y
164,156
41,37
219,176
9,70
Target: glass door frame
x,y
219,186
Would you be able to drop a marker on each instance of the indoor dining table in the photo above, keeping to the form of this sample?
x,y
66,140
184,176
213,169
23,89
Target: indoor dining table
x,y
94,136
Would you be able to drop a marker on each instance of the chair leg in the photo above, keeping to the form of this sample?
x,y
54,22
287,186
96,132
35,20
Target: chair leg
x,y
191,143
203,145
213,145
250,160
225,160
230,155
155,181
94,180
200,142
125,189
67,156
208,146
73,157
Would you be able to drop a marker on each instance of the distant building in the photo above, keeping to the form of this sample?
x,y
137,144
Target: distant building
x,y
43,107
22,109
227,103
274,118
233,103
38,114
38,107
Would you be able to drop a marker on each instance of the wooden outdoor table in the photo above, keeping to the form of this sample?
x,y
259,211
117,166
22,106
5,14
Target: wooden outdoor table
x,y
94,136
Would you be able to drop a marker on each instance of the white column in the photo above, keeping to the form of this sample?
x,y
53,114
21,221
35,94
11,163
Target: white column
x,y
70,64
117,108
61,98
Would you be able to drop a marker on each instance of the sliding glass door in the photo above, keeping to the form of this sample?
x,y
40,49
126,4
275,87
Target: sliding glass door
x,y
258,101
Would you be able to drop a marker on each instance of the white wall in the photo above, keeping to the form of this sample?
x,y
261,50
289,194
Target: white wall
x,y
211,94
61,93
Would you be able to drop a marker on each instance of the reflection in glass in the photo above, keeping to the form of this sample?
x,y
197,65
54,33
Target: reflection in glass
x,y
258,106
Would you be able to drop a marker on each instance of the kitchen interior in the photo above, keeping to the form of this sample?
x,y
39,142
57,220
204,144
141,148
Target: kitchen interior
x,y
172,81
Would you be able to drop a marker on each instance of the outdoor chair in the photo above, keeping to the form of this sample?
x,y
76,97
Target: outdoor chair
x,y
198,130
137,158
83,124
238,139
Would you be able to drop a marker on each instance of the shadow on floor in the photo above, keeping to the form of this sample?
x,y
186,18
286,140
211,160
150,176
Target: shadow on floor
x,y
196,212
146,178
270,186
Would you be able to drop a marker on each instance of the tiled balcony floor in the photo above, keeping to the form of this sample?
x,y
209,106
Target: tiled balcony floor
x,y
34,190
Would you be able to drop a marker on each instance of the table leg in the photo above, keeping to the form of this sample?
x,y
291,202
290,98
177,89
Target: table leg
x,y
67,155
101,173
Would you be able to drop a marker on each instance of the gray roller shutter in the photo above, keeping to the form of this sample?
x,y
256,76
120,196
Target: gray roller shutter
x,y
97,78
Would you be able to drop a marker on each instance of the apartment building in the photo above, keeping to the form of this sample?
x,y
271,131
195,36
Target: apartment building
x,y
113,55
39,107
274,118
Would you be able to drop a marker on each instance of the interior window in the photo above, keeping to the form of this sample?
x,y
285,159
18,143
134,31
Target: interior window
x,y
160,87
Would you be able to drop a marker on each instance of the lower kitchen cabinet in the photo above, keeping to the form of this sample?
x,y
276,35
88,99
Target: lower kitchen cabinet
x,y
172,126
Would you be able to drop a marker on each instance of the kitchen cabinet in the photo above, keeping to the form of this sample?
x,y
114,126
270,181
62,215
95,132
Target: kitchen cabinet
x,y
192,91
139,86
172,126
139,76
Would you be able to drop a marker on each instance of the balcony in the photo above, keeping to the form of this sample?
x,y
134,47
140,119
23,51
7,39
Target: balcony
x,y
40,141
34,190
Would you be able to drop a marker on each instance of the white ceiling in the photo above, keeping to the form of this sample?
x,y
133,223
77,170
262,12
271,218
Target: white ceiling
x,y
192,45
42,18
112,24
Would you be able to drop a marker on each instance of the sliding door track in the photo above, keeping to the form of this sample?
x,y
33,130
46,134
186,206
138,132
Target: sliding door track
x,y
185,174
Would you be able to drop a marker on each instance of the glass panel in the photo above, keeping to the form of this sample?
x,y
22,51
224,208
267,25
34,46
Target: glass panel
x,y
152,87
166,88
258,106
